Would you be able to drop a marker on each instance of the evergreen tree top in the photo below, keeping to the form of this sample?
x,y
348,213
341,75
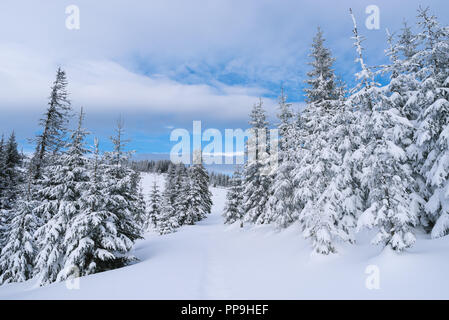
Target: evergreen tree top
x,y
12,156
76,146
257,116
321,78
365,76
285,114
407,41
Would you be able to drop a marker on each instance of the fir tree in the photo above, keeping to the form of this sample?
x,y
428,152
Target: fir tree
x,y
3,177
53,124
140,212
321,79
125,201
3,211
10,183
11,175
388,178
2,171
200,195
180,185
256,183
94,240
168,220
319,193
281,204
285,117
385,173
233,210
17,257
62,186
189,202
432,136
155,206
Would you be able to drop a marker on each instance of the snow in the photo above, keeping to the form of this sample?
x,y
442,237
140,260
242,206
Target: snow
x,y
211,260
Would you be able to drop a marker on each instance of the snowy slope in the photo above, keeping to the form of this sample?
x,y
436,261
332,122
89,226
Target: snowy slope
x,y
213,261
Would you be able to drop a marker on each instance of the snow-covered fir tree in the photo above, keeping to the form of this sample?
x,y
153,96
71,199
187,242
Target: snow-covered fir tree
x,y
155,206
385,175
3,212
190,204
186,198
90,227
95,240
17,256
321,79
432,136
256,183
233,210
10,183
318,191
140,213
63,183
125,203
200,195
3,179
168,221
53,123
282,208
286,118
181,189
10,175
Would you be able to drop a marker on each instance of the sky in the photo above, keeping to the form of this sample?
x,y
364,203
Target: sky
x,y
162,64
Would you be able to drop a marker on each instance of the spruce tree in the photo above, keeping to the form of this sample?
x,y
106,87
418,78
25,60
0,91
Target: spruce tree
x,y
3,211
11,179
201,197
286,117
62,186
168,221
125,199
388,178
180,185
319,193
2,157
3,178
282,209
17,256
386,175
432,136
188,202
140,212
256,183
94,240
321,79
12,176
53,124
233,210
155,206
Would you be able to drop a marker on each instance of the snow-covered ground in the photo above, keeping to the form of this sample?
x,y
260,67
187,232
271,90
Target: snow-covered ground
x,y
214,261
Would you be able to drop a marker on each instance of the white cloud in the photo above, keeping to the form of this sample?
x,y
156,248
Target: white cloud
x,y
106,86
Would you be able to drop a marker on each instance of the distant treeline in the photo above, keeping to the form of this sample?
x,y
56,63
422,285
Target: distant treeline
x,y
162,166
159,166
219,179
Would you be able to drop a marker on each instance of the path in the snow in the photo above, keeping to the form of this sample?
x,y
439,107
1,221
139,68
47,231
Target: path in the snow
x,y
213,261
